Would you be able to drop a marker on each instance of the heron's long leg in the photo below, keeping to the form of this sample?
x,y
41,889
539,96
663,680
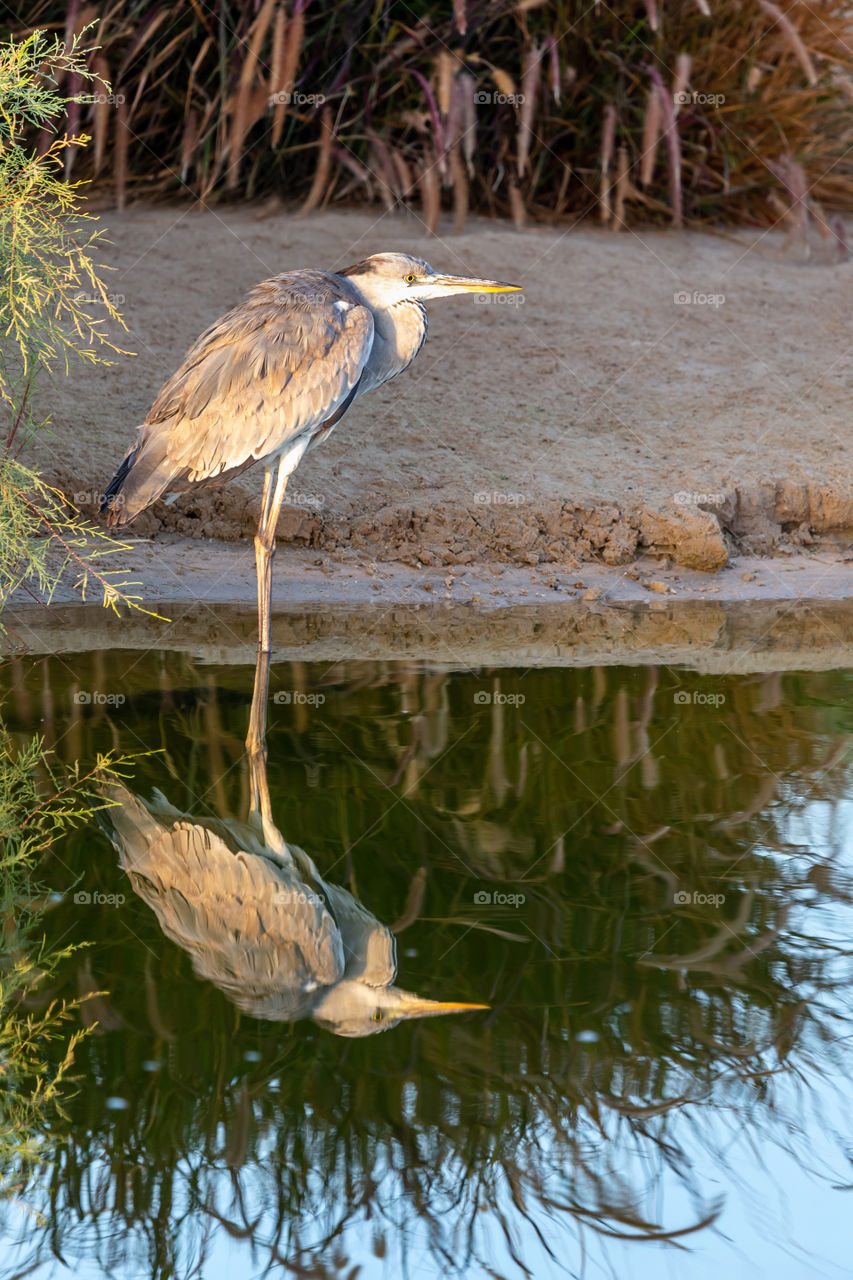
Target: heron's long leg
x,y
256,750
256,746
264,552
256,736
265,537
256,739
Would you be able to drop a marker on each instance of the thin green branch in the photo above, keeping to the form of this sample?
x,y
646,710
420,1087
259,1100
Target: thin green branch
x,y
47,266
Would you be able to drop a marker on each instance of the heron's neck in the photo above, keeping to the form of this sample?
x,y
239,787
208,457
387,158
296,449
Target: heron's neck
x,y
400,332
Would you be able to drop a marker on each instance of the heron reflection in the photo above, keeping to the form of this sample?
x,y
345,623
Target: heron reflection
x,y
254,913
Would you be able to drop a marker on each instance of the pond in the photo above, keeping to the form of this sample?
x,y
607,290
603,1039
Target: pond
x,y
646,875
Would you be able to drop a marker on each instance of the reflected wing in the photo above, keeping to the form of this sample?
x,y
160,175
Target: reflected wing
x,y
251,927
283,362
369,950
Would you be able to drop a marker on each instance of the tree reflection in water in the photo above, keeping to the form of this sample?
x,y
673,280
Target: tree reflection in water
x,y
638,1043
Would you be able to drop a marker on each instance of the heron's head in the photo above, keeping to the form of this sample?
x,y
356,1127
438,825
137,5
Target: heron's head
x,y
389,278
354,1008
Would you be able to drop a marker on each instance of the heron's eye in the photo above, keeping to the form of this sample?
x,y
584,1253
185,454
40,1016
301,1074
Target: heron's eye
x,y
377,1017
411,278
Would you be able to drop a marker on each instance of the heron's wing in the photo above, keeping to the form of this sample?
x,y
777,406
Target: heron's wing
x,y
250,926
369,950
281,363
240,837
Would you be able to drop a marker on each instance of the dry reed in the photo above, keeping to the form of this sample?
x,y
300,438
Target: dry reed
x,y
520,109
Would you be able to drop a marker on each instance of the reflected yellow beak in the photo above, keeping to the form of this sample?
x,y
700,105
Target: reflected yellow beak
x,y
415,1007
470,284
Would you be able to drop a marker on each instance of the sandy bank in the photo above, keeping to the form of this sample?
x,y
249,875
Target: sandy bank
x,y
680,395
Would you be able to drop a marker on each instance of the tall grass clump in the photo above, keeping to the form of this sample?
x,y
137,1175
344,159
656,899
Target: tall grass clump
x,y
695,110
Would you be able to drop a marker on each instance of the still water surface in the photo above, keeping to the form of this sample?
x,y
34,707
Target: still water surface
x,y
647,875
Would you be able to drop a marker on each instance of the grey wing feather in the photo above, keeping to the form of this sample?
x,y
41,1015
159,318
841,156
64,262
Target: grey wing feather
x,y
273,959
281,363
369,949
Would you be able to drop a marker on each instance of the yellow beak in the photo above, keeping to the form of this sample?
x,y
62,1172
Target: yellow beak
x,y
415,1007
470,284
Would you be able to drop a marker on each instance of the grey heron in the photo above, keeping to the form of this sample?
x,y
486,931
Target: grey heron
x,y
272,378
260,922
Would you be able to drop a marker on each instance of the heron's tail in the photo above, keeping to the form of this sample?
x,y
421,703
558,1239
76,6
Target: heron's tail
x,y
140,480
